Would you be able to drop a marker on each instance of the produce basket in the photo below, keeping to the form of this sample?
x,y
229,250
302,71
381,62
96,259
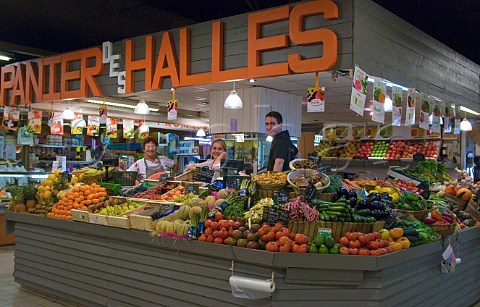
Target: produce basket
x,y
89,179
303,163
444,230
308,174
419,215
80,215
126,178
267,190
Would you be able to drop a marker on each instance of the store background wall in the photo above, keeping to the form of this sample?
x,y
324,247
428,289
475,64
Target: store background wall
x,y
388,47
305,144
257,102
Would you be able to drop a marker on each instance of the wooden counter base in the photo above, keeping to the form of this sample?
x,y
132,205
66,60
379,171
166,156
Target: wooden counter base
x,y
98,265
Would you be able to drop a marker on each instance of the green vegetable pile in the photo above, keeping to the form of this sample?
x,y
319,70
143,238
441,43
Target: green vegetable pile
x,y
334,184
426,233
429,171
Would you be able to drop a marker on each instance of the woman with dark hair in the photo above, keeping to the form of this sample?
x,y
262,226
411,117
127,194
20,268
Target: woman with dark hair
x,y
151,163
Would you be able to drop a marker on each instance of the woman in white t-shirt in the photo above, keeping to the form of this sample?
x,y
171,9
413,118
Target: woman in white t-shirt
x,y
151,163
218,152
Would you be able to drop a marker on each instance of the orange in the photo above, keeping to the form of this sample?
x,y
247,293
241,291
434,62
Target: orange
x,y
88,202
95,200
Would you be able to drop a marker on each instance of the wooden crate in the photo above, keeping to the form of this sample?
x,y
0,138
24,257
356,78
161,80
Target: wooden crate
x,y
80,215
95,218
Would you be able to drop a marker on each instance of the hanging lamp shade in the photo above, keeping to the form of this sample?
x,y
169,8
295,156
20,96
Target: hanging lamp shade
x,y
233,101
143,128
68,114
201,132
465,125
142,108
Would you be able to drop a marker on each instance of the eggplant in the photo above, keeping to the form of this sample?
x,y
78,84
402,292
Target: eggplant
x,y
353,201
343,192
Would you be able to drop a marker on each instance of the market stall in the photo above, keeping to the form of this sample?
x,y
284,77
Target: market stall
x,y
99,265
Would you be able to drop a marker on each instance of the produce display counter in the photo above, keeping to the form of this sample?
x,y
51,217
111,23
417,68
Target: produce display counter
x,y
98,265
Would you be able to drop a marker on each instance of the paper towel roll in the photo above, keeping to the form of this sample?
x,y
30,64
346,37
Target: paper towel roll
x,y
251,288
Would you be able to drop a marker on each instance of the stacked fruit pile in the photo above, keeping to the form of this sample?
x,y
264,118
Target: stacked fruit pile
x,y
349,150
395,150
365,149
379,150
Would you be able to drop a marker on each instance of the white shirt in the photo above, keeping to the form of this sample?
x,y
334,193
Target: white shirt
x,y
139,166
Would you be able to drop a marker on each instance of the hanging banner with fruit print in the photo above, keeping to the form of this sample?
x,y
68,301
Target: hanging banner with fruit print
x,y
102,112
128,128
424,122
93,127
396,106
57,125
359,91
458,120
78,123
437,113
172,109
316,99
410,114
11,116
111,128
35,122
141,135
379,93
447,123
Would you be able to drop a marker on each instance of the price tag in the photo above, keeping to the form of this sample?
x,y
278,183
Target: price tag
x,y
192,188
280,196
243,192
164,177
418,157
324,232
310,194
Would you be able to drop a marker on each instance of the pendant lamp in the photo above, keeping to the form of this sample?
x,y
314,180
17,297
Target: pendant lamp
x,y
201,132
68,113
233,101
465,125
143,127
142,108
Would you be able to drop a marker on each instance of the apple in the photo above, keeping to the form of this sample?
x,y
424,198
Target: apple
x,y
384,234
396,233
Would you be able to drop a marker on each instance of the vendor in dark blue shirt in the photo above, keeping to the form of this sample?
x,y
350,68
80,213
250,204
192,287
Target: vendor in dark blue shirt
x,y
282,150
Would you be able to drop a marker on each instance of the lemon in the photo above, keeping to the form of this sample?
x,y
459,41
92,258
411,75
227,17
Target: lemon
x,y
43,182
46,188
49,183
40,188
74,180
47,194
57,172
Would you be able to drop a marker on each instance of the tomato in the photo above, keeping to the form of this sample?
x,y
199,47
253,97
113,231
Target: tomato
x,y
343,241
280,234
278,226
218,216
262,231
353,251
372,245
223,233
208,222
202,238
215,226
295,248
299,248
210,238
270,236
375,252
285,248
383,251
377,235
300,238
351,235
364,252
304,248
284,240
224,224
218,240
354,244
208,231
364,239
344,250
272,246
216,233
230,231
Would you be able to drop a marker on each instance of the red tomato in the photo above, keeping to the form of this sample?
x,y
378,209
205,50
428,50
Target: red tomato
x,y
208,222
202,238
208,231
218,216
284,240
353,251
280,234
216,233
354,244
270,236
272,246
210,238
278,226
375,252
215,226
300,238
223,233
351,235
304,248
343,241
364,252
285,248
218,240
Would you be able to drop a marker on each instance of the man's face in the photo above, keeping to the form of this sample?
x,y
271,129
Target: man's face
x,y
272,126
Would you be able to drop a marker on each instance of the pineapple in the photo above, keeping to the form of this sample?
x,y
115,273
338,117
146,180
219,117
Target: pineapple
x,y
18,198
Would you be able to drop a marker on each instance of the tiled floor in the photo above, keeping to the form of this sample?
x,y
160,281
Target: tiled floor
x,y
11,294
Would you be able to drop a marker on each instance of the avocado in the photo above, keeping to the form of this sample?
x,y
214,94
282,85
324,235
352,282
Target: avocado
x,y
313,249
323,249
329,242
319,241
334,250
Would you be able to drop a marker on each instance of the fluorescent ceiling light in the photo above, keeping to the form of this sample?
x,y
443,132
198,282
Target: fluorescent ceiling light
x,y
116,104
464,109
5,58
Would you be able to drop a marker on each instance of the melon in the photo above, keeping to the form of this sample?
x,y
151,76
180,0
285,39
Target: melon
x,y
210,200
223,193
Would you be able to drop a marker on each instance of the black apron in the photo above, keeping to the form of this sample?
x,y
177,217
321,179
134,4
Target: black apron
x,y
149,171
